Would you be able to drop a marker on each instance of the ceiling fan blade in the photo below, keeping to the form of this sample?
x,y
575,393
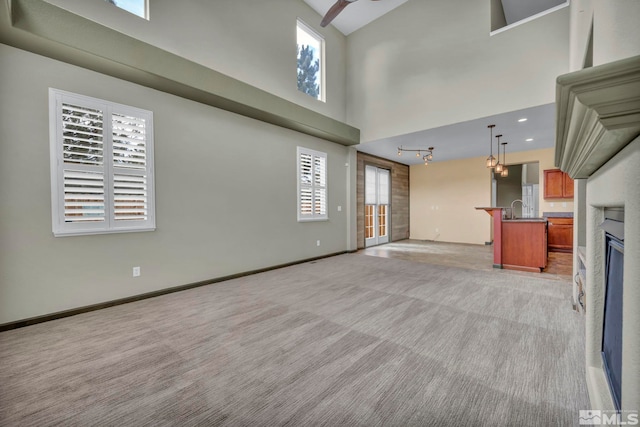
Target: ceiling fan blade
x,y
334,11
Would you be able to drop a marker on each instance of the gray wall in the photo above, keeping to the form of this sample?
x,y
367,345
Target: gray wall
x,y
252,41
433,63
225,197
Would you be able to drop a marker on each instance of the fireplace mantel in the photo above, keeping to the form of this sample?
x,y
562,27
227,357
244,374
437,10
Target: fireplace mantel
x,y
598,114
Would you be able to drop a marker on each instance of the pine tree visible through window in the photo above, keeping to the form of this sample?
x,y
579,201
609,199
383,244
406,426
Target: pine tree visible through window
x,y
137,7
310,62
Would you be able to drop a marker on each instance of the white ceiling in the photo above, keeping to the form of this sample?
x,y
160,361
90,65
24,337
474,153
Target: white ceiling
x,y
355,15
471,138
460,140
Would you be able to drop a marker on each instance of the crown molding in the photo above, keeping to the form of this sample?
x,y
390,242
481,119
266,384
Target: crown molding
x,y
598,114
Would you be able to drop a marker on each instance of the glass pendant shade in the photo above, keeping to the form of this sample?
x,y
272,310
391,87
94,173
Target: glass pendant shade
x,y
491,162
499,168
504,170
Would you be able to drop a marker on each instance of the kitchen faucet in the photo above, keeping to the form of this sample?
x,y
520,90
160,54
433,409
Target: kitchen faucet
x,y
513,214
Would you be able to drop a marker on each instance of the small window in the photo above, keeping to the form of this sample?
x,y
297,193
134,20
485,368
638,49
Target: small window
x,y
137,7
507,14
101,166
312,185
310,62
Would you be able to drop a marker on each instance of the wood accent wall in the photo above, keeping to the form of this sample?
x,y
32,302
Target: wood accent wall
x,y
399,196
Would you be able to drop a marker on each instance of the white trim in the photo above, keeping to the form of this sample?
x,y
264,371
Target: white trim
x,y
530,18
323,67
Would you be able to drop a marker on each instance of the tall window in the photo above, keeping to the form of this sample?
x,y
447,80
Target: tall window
x,y
101,166
137,7
310,62
312,185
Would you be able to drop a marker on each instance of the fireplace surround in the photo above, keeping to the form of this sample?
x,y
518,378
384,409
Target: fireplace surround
x,y
598,144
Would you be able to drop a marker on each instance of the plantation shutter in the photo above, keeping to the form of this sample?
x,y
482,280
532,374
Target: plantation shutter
x,y
83,164
306,184
101,166
312,184
130,189
320,186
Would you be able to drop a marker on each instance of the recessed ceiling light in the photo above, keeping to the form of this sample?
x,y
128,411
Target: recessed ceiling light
x,y
529,139
524,119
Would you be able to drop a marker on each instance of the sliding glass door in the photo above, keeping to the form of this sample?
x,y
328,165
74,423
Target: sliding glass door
x,y
377,199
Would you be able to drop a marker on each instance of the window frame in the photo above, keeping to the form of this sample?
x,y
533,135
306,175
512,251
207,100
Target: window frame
x,y
313,186
109,171
301,25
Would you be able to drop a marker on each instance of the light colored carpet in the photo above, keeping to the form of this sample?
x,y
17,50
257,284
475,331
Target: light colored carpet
x,y
350,340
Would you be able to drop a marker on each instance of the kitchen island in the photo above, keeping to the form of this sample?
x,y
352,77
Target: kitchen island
x,y
524,244
518,244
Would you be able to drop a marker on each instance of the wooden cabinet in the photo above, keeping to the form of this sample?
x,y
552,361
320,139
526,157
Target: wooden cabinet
x,y
560,234
524,245
557,185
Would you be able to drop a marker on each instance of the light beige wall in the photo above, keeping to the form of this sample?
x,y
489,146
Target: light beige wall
x,y
433,63
225,197
443,196
252,41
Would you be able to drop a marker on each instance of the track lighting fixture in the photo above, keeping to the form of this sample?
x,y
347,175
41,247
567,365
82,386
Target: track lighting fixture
x,y
426,154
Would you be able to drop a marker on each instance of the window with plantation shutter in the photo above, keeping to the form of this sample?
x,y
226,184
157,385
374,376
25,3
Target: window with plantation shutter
x,y
101,166
312,185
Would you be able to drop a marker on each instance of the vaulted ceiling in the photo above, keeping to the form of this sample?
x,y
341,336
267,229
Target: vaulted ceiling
x,y
458,140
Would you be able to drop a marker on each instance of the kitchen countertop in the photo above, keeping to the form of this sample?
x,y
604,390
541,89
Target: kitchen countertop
x,y
557,214
525,220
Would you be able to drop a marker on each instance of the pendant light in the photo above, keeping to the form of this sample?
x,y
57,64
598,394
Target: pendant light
x,y
505,170
491,161
499,166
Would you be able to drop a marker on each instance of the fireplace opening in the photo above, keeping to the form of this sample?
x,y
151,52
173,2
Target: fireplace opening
x,y
612,323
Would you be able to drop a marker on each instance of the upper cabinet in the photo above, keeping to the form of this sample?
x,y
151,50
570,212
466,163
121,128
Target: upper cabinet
x,y
557,185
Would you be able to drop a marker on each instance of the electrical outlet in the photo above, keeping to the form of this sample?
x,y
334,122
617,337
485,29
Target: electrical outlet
x,y
136,271
564,204
437,230
317,242
552,204
339,208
